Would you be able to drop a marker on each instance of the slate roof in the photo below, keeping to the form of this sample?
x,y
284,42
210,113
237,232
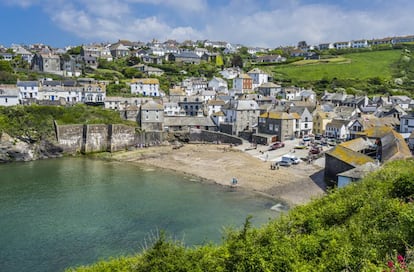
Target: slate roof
x,y
269,85
360,171
349,156
357,144
216,102
247,105
27,84
187,55
152,105
6,91
337,123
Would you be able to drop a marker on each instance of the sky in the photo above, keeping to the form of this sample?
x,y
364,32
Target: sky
x,y
262,23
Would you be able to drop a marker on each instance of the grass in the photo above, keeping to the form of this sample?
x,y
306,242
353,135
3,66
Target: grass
x,y
357,66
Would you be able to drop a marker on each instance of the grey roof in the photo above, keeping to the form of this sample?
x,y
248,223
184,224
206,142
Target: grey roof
x,y
187,54
152,105
337,123
8,92
247,105
360,171
269,85
27,84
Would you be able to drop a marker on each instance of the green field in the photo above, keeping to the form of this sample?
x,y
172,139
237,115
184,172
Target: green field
x,y
357,66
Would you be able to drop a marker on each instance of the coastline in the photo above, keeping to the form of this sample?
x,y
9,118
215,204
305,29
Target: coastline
x,y
219,164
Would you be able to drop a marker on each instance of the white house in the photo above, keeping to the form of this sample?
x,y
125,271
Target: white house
x,y
145,86
214,106
230,73
173,109
207,95
9,95
94,93
306,120
194,85
258,76
359,44
28,90
337,129
342,45
218,84
56,93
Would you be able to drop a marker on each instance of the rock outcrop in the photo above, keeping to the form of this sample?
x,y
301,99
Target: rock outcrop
x,y
14,149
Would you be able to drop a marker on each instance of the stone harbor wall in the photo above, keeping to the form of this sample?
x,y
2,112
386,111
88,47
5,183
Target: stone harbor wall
x,y
121,137
99,138
198,135
70,137
96,138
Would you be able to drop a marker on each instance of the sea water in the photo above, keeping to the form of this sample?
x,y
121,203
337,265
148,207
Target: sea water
x,y
62,213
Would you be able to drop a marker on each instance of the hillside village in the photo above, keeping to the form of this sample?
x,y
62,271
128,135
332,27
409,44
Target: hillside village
x,y
360,130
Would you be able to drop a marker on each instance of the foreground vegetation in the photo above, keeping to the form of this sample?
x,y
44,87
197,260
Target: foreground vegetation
x,y
33,123
367,226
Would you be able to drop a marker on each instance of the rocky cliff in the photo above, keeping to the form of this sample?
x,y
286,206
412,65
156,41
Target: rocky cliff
x,y
14,149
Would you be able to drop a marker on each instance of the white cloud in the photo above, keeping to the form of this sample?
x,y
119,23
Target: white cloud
x,y
262,23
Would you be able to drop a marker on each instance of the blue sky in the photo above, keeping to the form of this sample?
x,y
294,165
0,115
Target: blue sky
x,y
268,23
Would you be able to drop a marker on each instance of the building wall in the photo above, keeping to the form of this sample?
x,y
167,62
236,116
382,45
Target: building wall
x,y
198,135
333,166
9,100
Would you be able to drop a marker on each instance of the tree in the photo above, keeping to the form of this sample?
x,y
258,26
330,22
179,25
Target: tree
x,y
75,50
5,66
237,61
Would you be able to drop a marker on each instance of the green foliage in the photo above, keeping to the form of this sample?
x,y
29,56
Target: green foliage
x,y
75,50
357,228
5,66
120,89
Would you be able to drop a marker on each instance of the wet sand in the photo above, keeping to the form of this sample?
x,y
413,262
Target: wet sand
x,y
219,164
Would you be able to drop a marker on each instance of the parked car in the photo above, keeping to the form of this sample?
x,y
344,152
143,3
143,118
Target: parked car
x,y
276,145
306,138
301,146
318,137
284,163
331,142
315,150
291,159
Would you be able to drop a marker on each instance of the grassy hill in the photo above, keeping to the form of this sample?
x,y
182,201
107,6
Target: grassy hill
x,y
366,226
350,66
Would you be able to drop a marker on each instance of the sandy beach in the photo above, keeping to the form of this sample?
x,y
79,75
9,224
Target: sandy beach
x,y
219,164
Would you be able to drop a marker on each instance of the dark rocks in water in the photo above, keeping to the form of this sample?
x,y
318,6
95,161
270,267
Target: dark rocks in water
x,y
13,149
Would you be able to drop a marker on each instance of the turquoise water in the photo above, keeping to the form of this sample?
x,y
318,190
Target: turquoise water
x,y
68,212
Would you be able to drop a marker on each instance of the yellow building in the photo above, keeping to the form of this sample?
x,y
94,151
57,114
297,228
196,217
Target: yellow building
x,y
320,119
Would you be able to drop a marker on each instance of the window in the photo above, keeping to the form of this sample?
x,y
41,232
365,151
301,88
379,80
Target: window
x,y
271,127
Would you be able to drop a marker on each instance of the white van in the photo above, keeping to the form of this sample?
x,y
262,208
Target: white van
x,y
291,158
